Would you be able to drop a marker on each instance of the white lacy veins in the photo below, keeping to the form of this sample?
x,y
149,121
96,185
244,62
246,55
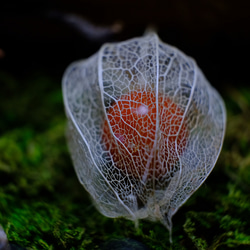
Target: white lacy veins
x,y
145,127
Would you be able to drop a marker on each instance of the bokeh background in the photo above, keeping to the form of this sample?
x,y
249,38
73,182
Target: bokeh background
x,y
215,33
42,205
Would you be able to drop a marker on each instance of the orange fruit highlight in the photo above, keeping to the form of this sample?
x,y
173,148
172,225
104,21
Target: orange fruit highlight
x,y
145,142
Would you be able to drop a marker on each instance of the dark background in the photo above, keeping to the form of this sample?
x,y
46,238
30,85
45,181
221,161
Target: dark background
x,y
41,200
215,32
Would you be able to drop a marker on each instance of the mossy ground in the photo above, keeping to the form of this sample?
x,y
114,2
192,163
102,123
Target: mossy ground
x,y
43,206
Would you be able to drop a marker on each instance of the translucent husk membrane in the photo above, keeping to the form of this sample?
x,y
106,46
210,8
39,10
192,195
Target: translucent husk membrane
x,y
92,87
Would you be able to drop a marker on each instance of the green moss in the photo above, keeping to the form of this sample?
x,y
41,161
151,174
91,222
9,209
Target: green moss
x,y
43,206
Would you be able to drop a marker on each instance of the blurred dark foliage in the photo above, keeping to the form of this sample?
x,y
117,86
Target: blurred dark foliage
x,y
215,32
36,45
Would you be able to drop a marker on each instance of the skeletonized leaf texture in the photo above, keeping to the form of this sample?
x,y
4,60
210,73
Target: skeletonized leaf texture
x,y
145,127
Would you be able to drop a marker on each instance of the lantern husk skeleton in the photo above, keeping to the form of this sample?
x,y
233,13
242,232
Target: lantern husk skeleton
x,y
92,86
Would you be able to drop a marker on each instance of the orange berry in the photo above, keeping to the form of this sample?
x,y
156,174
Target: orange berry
x,y
142,142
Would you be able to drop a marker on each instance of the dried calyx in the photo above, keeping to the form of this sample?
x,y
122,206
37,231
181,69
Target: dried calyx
x,y
145,127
